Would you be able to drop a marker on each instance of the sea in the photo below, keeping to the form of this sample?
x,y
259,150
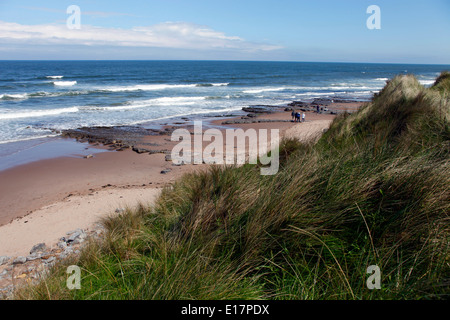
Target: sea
x,y
38,98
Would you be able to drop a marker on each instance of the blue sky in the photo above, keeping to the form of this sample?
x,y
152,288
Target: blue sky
x,y
287,30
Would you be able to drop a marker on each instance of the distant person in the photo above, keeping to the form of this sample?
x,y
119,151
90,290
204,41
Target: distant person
x,y
297,117
293,115
303,117
318,109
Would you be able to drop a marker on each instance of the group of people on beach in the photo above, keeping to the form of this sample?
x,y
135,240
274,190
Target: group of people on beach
x,y
296,117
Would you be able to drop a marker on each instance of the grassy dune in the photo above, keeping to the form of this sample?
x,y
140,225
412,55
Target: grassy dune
x,y
374,190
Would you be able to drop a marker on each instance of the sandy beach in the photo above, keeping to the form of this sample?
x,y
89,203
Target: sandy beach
x,y
45,200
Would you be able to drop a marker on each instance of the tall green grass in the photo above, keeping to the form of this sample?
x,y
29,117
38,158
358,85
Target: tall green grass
x,y
374,190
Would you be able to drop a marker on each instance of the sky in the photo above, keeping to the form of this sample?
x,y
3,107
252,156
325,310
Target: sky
x,y
411,31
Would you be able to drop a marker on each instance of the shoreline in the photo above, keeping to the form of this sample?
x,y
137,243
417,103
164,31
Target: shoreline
x,y
47,199
96,163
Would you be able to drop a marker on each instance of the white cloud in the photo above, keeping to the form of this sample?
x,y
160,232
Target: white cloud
x,y
100,14
179,35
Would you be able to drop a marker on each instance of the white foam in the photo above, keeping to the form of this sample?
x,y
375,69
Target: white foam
x,y
176,100
54,77
18,96
212,84
193,112
64,83
427,82
365,92
312,94
29,138
39,94
382,79
146,87
36,113
264,90
53,94
333,87
165,101
346,87
315,94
